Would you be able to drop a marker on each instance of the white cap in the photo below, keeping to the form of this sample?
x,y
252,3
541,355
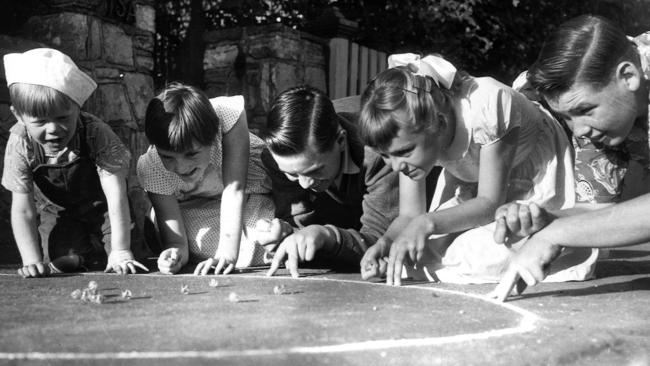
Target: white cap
x,y
52,68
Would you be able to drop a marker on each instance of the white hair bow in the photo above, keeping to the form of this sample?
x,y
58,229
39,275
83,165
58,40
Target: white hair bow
x,y
439,69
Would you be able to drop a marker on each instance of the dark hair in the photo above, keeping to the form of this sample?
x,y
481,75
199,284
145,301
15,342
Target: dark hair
x,y
299,117
38,100
178,116
584,49
396,99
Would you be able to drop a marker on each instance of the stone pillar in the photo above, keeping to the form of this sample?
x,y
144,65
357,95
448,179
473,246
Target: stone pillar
x,y
260,62
114,46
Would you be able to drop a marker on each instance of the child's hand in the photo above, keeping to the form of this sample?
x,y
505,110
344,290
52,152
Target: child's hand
x,y
519,220
122,262
169,261
225,260
408,245
38,269
271,233
300,246
373,263
530,264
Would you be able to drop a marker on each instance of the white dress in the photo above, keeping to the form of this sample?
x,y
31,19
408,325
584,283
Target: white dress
x,y
200,201
542,173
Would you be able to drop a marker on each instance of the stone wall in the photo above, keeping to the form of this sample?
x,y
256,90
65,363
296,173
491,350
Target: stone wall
x,y
8,45
260,62
118,56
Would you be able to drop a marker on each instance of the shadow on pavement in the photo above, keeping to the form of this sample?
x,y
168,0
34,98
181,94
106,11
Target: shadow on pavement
x,y
612,268
639,284
619,254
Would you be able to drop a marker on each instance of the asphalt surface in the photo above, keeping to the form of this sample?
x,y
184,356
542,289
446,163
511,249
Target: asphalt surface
x,y
327,317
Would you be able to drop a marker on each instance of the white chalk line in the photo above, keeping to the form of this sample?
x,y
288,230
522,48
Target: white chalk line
x,y
526,324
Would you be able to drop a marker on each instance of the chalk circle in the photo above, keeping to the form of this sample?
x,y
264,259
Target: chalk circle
x,y
318,316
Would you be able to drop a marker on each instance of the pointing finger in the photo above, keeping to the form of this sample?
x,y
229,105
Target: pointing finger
x,y
390,267
198,269
397,268
292,259
504,288
217,270
229,268
277,259
140,265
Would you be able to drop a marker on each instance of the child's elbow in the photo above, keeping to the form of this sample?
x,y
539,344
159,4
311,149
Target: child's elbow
x,y
22,211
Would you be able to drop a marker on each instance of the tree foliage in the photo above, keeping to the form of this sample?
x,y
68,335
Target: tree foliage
x,y
485,37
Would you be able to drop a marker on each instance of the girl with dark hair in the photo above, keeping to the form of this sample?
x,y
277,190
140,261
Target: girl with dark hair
x,y
205,180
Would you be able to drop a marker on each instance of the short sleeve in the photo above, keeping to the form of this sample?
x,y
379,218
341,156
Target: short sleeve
x,y
17,172
153,176
228,109
496,115
106,149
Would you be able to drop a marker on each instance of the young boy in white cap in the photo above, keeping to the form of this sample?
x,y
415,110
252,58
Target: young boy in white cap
x,y
66,170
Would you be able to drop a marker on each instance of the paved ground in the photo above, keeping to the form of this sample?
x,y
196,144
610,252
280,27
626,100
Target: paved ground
x,y
327,318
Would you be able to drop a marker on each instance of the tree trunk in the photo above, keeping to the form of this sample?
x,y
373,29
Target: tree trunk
x,y
190,52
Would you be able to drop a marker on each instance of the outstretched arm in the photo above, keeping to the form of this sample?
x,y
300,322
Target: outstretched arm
x,y
23,224
120,258
396,243
172,233
516,220
496,162
236,149
614,226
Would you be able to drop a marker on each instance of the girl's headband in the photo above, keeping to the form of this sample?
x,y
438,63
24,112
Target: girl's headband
x,y
439,69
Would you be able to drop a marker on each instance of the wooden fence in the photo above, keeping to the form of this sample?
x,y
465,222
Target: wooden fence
x,y
351,66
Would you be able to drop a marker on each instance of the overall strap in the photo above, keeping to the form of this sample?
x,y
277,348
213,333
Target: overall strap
x,y
84,149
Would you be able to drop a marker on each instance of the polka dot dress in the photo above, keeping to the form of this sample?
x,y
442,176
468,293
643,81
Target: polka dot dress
x,y
200,200
202,225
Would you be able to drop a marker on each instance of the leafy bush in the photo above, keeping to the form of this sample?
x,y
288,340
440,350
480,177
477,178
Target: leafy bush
x,y
485,37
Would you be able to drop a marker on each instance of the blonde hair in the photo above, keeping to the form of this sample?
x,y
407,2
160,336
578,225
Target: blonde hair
x,y
397,98
38,100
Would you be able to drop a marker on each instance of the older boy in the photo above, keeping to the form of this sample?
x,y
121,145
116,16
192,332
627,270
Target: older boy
x,y
339,195
597,80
